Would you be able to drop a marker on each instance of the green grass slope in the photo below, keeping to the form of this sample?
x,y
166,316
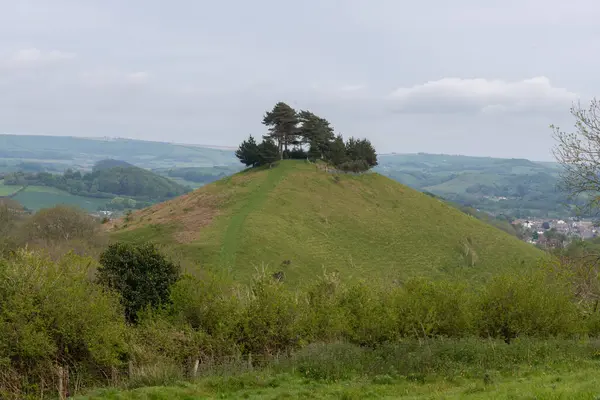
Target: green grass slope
x,y
364,226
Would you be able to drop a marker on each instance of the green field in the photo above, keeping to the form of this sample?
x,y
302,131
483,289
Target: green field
x,y
7,190
38,197
312,218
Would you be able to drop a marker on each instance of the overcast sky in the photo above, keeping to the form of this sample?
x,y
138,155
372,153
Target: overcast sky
x,y
438,76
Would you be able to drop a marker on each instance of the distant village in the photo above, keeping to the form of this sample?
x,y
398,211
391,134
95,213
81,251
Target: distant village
x,y
556,232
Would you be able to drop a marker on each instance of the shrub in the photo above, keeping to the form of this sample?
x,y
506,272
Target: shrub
x,y
324,319
369,314
527,304
434,308
61,223
269,321
140,273
52,313
211,307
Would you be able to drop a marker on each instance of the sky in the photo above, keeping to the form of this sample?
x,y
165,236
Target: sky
x,y
455,77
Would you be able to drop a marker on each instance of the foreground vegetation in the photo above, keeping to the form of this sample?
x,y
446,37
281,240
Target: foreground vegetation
x,y
572,381
132,321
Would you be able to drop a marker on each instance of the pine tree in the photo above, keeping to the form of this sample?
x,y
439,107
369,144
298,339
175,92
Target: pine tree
x,y
336,151
316,132
247,153
268,152
282,121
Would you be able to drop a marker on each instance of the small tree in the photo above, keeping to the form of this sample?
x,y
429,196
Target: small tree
x,y
140,273
247,153
336,152
268,152
61,223
579,154
361,150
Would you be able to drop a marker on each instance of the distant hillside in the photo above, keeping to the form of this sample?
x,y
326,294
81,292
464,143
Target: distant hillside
x,y
518,187
299,219
110,163
132,181
57,153
110,179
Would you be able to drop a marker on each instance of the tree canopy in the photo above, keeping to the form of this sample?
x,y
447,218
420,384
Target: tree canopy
x,y
579,154
305,135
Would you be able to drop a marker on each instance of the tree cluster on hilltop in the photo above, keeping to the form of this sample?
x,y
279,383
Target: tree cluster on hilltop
x,y
305,135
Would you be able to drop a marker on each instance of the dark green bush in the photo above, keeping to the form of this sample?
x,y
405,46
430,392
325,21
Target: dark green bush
x,y
140,273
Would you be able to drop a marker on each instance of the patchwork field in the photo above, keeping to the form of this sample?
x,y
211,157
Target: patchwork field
x,y
7,190
38,197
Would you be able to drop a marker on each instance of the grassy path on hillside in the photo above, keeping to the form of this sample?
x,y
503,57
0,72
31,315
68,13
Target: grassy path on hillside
x,y
255,200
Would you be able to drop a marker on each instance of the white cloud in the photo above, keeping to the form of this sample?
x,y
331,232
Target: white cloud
x,y
452,95
33,57
110,77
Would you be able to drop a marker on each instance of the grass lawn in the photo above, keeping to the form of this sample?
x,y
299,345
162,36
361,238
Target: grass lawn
x,y
582,383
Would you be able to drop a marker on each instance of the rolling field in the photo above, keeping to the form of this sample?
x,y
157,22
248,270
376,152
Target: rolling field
x,y
7,190
299,219
38,197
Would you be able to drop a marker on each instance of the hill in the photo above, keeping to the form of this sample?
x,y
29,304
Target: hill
x,y
132,181
110,163
299,219
518,187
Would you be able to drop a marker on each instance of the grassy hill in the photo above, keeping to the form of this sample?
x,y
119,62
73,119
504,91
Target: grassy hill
x,y
300,219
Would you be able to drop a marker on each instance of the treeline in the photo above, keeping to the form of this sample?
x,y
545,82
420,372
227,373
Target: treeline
x,y
55,231
133,311
129,181
304,135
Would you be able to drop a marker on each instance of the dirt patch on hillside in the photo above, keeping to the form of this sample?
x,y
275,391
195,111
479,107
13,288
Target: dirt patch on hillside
x,y
189,212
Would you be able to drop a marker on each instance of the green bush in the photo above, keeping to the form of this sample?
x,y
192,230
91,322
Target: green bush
x,y
209,306
527,304
269,322
54,314
324,320
429,308
140,273
369,314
